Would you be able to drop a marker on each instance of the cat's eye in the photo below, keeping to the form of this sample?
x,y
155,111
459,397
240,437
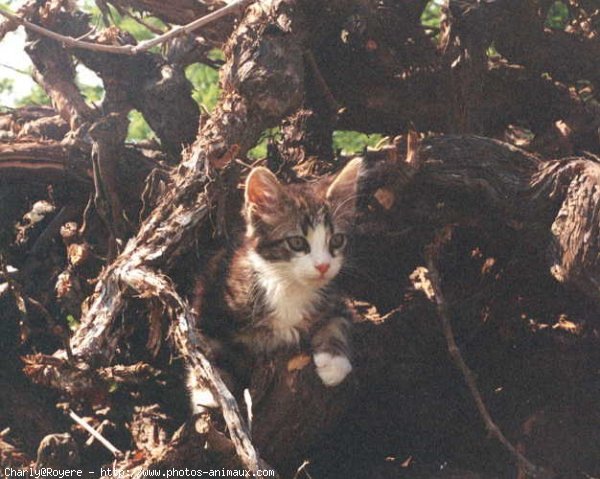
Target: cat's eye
x,y
337,241
298,243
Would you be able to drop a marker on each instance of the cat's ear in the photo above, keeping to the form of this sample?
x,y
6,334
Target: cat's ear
x,y
263,190
343,190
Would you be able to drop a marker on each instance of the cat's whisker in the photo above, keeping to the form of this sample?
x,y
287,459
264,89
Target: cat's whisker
x,y
357,273
342,204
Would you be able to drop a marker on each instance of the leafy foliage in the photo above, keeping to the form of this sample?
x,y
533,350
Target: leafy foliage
x,y
6,86
260,150
558,16
432,14
37,96
125,23
93,93
138,127
205,82
353,141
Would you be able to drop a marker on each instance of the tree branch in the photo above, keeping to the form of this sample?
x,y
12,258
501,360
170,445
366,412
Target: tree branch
x,y
128,49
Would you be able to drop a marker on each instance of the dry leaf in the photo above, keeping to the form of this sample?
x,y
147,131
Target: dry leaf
x,y
297,363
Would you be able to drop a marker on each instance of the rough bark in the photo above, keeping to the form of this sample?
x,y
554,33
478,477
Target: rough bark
x,y
50,161
244,111
574,245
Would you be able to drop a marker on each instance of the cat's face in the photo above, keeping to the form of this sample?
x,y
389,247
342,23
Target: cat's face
x,y
300,232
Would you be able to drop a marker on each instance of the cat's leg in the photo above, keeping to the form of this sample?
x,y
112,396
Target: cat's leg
x,y
200,394
331,351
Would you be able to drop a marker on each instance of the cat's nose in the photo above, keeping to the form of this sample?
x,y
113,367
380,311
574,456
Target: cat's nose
x,y
322,268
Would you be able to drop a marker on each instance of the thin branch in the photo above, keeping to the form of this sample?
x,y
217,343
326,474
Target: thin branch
x,y
442,309
57,329
128,49
67,41
16,70
331,101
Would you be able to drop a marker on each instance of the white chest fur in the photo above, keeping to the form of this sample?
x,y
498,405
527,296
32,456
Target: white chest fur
x,y
290,301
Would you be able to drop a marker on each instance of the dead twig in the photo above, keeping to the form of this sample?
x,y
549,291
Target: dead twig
x,y
137,373
436,295
105,442
57,329
332,103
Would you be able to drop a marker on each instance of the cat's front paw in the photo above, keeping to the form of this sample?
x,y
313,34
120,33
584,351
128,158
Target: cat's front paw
x,y
201,397
332,369
202,400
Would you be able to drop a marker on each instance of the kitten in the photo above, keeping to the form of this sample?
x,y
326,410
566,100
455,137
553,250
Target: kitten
x,y
274,289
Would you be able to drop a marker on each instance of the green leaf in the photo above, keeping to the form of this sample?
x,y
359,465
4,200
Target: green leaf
x,y
6,85
72,322
205,83
125,22
351,142
37,96
558,16
432,14
138,127
93,93
260,150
